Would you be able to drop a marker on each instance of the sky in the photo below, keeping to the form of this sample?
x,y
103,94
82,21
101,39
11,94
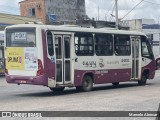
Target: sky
x,y
149,9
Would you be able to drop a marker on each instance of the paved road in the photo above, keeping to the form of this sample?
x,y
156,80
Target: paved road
x,y
126,97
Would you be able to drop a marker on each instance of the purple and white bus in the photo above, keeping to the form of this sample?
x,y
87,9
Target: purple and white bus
x,y
61,56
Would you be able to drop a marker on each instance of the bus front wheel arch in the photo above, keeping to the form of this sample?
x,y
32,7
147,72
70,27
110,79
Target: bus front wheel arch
x,y
144,78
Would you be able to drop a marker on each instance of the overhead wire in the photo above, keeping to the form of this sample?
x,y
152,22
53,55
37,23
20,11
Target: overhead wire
x,y
111,15
151,2
133,9
110,9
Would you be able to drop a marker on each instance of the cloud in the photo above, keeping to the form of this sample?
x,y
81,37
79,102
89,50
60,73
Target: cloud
x,y
9,6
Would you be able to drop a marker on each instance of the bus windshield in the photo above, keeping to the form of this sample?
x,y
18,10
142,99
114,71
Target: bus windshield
x,y
20,37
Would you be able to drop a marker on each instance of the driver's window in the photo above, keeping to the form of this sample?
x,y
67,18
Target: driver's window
x,y
146,48
145,51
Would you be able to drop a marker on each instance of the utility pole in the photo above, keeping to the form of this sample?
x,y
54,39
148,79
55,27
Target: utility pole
x,y
116,10
98,12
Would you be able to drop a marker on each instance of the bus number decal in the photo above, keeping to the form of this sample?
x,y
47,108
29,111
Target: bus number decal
x,y
101,72
124,60
90,64
20,36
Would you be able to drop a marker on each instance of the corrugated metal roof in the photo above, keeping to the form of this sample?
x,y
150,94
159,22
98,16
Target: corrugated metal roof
x,y
9,19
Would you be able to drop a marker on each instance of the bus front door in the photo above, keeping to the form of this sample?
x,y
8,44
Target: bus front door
x,y
135,57
63,59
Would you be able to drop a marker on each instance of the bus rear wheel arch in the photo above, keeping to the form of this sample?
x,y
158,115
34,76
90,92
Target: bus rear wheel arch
x,y
87,84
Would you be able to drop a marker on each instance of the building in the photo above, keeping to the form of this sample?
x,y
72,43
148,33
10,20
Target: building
x,y
149,27
51,11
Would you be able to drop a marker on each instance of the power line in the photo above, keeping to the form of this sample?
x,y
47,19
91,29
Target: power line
x,y
151,2
110,9
112,12
133,8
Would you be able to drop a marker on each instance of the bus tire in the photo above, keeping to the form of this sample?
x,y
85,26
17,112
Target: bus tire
x,y
143,80
60,89
115,84
87,84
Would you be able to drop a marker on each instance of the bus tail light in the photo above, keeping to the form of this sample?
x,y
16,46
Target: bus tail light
x,y
40,68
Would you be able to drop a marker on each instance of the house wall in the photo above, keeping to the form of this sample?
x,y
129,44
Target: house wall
x,y
66,10
38,5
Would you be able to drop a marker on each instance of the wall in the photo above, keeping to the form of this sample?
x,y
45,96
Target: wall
x,y
39,11
66,9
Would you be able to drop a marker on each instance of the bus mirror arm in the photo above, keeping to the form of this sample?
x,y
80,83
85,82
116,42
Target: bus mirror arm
x,y
76,59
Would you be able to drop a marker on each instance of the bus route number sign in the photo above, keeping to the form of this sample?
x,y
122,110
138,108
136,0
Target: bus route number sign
x,y
20,36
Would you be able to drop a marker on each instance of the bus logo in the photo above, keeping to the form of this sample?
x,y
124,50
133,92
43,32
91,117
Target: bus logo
x,y
101,63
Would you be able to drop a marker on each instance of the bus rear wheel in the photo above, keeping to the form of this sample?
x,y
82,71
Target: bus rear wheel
x,y
60,89
143,80
87,84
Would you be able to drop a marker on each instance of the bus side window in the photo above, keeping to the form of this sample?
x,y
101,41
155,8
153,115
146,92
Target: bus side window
x,y
103,44
84,44
122,45
50,43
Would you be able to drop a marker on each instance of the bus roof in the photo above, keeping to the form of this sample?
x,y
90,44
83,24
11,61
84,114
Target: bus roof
x,y
63,28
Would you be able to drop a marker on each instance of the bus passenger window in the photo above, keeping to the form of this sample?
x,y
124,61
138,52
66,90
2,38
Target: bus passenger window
x,y
67,47
103,44
84,44
122,45
50,43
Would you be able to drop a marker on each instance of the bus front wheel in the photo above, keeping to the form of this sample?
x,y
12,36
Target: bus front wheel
x,y
87,84
143,80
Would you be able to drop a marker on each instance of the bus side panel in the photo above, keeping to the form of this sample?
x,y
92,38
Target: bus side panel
x,y
49,67
111,76
103,76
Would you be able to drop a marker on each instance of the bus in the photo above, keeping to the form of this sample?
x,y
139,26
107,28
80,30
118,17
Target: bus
x,y
64,56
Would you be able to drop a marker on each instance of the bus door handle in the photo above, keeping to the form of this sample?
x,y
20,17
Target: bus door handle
x,y
143,59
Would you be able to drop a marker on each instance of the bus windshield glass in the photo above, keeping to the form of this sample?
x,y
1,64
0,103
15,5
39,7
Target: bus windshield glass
x,y
20,37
